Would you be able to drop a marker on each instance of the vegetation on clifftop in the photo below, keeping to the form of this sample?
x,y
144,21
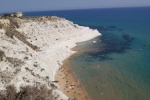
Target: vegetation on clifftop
x,y
27,93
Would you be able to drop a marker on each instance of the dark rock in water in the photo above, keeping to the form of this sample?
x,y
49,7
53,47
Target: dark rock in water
x,y
120,30
111,45
144,45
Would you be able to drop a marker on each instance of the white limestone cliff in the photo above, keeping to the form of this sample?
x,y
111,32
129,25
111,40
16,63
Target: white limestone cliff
x,y
22,64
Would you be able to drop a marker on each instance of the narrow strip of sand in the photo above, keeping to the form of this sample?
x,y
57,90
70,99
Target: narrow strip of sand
x,y
69,83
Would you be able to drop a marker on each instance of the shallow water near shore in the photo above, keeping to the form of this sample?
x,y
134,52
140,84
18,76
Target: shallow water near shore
x,y
117,66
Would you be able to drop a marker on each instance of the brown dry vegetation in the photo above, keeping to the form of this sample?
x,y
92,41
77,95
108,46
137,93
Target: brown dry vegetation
x,y
27,93
1,26
11,31
2,54
15,61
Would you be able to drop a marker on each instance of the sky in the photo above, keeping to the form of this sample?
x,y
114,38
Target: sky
x,y
47,5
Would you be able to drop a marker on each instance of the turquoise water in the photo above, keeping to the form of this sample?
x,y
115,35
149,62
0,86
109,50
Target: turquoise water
x,y
117,67
122,70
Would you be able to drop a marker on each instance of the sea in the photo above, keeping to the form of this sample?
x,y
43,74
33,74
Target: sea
x,y
117,66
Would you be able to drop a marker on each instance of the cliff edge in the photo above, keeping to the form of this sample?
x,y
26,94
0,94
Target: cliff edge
x,y
32,50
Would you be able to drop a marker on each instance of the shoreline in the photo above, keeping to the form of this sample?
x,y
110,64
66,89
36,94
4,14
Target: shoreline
x,y
69,84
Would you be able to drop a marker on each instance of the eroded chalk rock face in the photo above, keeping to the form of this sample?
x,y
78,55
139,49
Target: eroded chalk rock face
x,y
32,49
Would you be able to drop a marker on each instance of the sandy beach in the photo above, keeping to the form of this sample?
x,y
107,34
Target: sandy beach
x,y
69,83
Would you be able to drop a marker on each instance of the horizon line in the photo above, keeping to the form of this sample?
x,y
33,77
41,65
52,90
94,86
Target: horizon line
x,y
73,9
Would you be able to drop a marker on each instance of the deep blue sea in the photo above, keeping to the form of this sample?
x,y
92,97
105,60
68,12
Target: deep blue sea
x,y
117,66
